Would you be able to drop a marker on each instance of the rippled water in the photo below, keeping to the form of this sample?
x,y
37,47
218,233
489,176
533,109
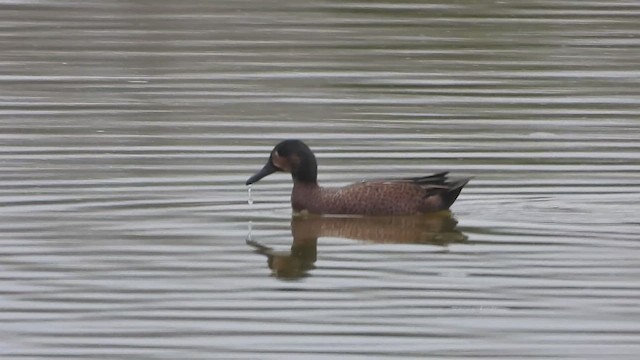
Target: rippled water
x,y
128,129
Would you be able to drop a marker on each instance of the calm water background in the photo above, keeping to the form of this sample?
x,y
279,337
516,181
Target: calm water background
x,y
128,128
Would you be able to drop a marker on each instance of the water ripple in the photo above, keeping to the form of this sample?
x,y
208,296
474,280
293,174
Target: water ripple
x,y
129,129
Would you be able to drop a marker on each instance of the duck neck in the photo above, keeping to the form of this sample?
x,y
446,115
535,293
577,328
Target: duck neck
x,y
305,185
305,196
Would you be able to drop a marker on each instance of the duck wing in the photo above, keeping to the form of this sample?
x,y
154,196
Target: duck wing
x,y
437,179
438,185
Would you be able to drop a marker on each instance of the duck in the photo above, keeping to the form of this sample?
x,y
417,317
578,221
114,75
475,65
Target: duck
x,y
381,197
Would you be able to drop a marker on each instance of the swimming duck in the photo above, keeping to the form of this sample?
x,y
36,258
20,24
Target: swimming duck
x,y
405,196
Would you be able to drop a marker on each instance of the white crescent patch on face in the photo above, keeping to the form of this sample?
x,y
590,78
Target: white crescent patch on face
x,y
280,162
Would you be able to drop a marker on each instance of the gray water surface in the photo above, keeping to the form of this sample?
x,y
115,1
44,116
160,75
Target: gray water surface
x,y
128,129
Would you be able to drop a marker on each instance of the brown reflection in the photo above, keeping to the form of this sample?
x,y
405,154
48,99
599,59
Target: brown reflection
x,y
435,229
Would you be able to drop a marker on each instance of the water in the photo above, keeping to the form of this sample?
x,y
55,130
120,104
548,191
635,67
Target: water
x,y
129,130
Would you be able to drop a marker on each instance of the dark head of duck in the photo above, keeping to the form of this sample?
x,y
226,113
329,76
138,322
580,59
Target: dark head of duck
x,y
291,156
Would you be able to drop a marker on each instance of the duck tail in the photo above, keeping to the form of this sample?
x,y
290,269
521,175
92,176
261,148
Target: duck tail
x,y
455,187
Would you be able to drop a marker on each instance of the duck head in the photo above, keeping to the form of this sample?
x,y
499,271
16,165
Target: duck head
x,y
290,156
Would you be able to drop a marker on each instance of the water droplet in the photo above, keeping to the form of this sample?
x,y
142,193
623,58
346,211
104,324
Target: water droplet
x,y
250,200
250,227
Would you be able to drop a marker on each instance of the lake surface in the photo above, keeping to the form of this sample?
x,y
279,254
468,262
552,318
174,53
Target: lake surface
x,y
128,129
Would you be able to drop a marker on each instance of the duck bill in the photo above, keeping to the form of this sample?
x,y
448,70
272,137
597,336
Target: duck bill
x,y
268,169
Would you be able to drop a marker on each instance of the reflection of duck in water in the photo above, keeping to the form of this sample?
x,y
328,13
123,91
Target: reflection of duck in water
x,y
376,197
435,228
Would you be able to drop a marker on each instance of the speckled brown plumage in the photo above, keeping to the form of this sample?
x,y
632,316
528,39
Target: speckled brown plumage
x,y
379,197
